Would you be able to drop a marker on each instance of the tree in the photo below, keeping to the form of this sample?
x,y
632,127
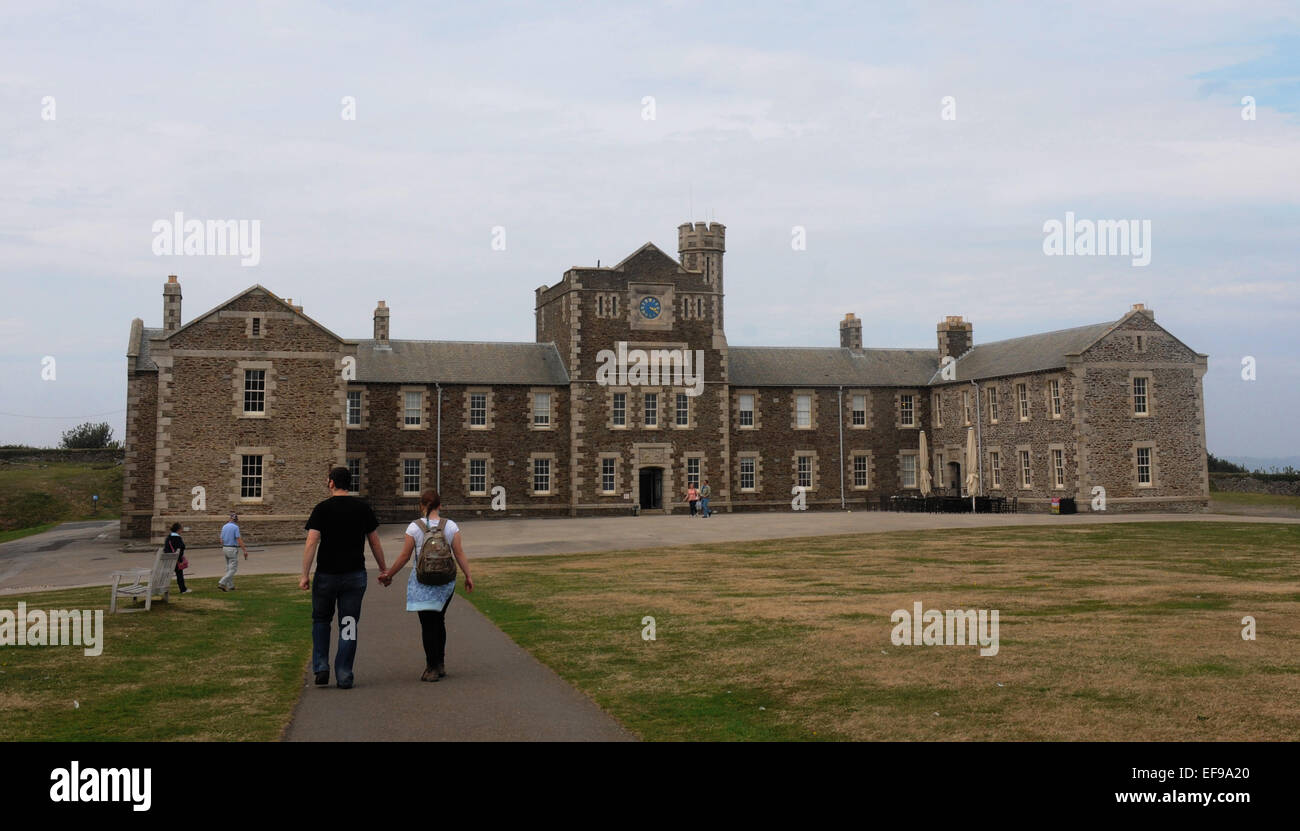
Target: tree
x,y
88,437
1217,465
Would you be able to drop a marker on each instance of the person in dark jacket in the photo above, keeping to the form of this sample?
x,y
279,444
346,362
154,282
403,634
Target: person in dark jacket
x,y
174,543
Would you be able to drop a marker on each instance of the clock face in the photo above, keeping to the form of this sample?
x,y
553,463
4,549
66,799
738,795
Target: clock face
x,y
650,308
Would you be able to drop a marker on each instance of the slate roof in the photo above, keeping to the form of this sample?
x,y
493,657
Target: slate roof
x,y
783,366
1031,353
460,362
144,360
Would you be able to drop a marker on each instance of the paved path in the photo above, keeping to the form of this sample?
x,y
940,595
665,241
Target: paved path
x,y
494,690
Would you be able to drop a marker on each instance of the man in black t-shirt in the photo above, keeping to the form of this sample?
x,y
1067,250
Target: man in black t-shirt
x,y
338,530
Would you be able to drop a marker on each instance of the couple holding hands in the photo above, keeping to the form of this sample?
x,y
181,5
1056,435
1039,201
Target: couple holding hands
x,y
337,532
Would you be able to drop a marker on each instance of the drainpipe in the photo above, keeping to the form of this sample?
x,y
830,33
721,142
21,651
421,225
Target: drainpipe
x,y
979,443
841,404
438,473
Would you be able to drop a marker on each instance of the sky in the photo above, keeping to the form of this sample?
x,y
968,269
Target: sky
x,y
535,119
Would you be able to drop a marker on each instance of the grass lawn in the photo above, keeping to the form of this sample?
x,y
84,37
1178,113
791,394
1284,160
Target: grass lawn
x,y
208,666
1234,502
1113,632
36,496
9,536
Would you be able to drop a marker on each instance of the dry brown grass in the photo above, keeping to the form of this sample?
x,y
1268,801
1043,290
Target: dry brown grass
x,y
1108,632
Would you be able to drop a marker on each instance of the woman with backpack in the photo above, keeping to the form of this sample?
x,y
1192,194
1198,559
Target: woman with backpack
x,y
436,543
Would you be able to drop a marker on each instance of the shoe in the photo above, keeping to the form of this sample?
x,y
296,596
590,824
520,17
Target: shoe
x,y
323,678
442,673
223,588
429,675
345,686
186,591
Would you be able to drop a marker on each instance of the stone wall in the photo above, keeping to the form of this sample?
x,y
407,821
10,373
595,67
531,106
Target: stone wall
x,y
203,432
775,443
1174,429
508,444
1041,434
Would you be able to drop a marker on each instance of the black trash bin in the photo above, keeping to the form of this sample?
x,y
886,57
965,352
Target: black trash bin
x,y
1068,506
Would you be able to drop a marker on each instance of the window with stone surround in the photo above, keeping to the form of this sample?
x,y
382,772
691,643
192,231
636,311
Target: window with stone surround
x,y
693,472
411,477
541,476
541,410
412,409
1054,396
965,407
993,404
907,410
254,391
1140,394
907,469
1022,396
608,474
619,411
651,401
804,470
683,410
803,411
354,408
746,409
749,472
861,471
1058,467
255,327
354,473
1026,471
995,468
858,417
1144,463
478,477
478,410
250,477
936,407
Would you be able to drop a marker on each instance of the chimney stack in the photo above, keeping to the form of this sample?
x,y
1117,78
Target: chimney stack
x,y
1142,307
171,304
381,323
955,337
850,332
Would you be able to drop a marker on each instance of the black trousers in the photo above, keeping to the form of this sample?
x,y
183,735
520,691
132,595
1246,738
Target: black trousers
x,y
433,631
180,579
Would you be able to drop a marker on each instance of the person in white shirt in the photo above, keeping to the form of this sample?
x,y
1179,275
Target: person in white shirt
x,y
430,602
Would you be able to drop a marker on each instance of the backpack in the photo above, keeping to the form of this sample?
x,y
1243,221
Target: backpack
x,y
436,565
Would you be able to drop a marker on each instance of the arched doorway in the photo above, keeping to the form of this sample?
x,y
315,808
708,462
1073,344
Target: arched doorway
x,y
651,488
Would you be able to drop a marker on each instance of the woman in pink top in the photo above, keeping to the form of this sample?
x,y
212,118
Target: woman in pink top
x,y
692,496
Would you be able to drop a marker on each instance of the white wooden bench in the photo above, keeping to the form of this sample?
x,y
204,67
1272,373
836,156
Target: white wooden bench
x,y
145,582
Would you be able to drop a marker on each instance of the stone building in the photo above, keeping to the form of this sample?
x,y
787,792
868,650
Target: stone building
x,y
247,406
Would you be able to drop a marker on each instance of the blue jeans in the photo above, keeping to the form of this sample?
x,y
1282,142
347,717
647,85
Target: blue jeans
x,y
704,506
347,590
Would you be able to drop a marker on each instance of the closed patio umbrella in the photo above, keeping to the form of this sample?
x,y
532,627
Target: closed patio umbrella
x,y
972,464
923,452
